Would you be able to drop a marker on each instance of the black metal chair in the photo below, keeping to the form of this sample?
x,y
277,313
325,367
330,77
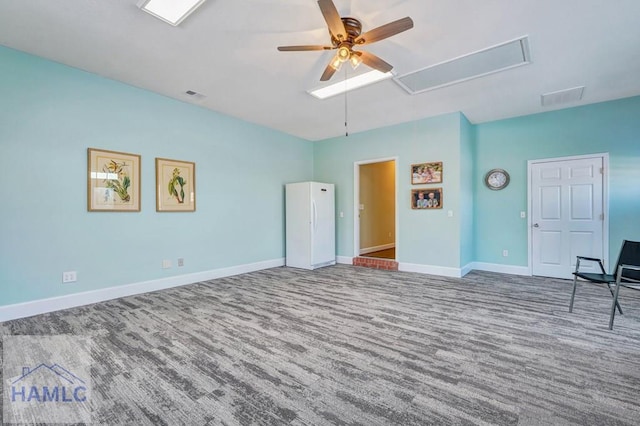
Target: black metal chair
x,y
627,274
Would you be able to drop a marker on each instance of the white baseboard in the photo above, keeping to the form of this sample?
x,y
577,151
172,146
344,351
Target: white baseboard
x,y
377,248
503,269
466,269
36,307
345,260
444,271
461,272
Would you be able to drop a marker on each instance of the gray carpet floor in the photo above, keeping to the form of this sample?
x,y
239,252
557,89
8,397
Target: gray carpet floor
x,y
346,345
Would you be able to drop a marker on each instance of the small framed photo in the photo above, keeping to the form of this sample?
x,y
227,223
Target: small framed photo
x,y
426,173
426,198
175,185
113,181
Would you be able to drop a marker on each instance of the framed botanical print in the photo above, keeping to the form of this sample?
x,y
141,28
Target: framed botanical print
x,y
175,185
113,181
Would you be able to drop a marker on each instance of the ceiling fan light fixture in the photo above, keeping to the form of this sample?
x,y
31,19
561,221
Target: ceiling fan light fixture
x,y
355,60
336,62
170,11
344,53
346,32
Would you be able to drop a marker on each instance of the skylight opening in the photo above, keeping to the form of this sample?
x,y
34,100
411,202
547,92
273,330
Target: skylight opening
x,y
350,84
170,11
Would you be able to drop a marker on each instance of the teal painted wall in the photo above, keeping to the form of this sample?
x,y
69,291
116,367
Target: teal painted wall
x,y
425,237
467,169
50,114
488,222
612,127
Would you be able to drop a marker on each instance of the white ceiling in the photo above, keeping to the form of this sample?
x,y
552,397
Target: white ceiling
x,y
227,51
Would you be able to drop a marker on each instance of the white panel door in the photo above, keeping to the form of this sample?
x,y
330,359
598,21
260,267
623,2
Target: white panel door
x,y
566,215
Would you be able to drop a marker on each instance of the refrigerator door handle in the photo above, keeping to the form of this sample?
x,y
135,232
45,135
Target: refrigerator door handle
x,y
315,215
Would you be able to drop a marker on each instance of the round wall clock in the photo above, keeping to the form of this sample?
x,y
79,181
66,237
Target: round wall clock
x,y
496,179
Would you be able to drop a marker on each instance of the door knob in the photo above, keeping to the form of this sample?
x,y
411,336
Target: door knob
x,y
535,225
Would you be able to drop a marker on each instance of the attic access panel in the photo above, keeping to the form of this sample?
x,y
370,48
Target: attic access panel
x,y
484,62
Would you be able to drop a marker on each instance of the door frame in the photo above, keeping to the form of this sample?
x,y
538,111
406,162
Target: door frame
x,y
605,202
356,203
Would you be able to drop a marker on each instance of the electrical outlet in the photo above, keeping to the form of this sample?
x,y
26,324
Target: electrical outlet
x,y
69,277
180,262
166,264
505,253
523,215
341,214
450,213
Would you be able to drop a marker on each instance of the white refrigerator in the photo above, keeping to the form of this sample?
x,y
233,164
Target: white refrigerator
x,y
310,225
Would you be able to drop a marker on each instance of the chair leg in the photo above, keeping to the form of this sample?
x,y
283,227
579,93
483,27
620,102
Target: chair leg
x,y
617,304
573,293
613,307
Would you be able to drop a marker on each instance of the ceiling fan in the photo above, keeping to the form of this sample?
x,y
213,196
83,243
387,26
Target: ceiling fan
x,y
346,33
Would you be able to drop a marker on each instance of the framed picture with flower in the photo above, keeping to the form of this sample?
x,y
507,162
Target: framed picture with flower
x,y
113,181
175,185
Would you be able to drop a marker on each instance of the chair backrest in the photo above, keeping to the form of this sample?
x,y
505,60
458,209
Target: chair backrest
x,y
629,255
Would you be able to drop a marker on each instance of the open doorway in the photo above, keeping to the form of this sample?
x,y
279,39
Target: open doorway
x,y
376,223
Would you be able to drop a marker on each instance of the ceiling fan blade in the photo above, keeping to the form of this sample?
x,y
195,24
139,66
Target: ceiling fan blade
x,y
303,48
332,17
374,62
387,30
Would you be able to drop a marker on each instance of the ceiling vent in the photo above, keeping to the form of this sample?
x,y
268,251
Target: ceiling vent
x,y
562,96
194,95
484,62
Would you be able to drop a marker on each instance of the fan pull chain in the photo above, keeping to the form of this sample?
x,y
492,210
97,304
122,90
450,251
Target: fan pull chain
x,y
346,126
